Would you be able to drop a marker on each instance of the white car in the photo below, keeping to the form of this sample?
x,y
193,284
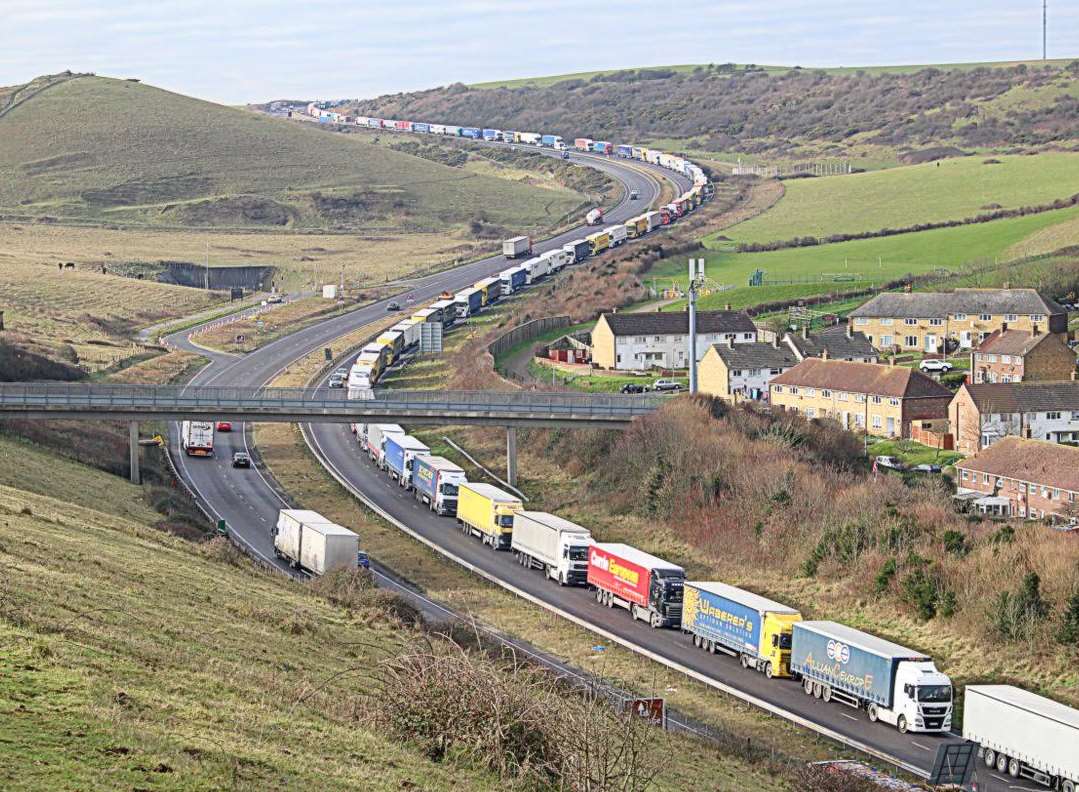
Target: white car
x,y
933,364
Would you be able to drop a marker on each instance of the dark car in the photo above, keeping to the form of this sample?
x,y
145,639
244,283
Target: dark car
x,y
393,305
634,195
634,387
926,467
240,459
224,426
362,561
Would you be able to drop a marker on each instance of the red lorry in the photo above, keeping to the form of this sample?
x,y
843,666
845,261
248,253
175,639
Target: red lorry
x,y
648,587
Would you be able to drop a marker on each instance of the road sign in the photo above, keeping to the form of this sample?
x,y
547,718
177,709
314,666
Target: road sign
x,y
328,353
653,709
954,763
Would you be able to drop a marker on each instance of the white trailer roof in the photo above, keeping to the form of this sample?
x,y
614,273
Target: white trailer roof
x,y
747,598
410,443
425,312
554,521
317,523
390,428
441,463
1031,702
638,557
391,333
518,239
486,282
442,304
865,641
491,491
464,293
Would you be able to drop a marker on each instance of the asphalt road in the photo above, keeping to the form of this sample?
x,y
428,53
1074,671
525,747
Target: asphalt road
x,y
249,503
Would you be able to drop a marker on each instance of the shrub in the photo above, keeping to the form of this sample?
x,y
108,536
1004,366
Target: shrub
x,y
885,575
956,543
1069,622
1018,614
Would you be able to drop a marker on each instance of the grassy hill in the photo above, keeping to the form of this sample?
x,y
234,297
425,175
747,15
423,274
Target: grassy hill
x,y
105,150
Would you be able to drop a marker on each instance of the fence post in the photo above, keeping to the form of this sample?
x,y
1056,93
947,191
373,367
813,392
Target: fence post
x,y
511,455
133,451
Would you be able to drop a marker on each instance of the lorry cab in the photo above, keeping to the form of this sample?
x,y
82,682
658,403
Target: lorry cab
x,y
922,701
665,595
777,630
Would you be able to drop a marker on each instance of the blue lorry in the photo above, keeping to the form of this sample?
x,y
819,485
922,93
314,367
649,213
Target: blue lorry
x,y
401,450
512,279
435,482
471,132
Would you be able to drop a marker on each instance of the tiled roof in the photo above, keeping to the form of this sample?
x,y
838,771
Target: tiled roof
x,y
1035,461
929,305
756,355
876,379
1012,342
1024,397
677,323
836,341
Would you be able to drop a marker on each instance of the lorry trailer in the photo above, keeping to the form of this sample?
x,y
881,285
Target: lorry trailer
x,y
536,268
374,440
556,259
580,248
400,451
624,151
197,438
517,247
468,301
1023,734
359,384
512,279
490,288
894,684
435,481
555,545
410,328
486,512
599,242
723,618
308,541
594,217
531,138
394,340
649,588
552,141
446,311
617,234
583,144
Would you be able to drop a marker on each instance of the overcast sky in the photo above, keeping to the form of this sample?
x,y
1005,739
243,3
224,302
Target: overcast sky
x,y
236,51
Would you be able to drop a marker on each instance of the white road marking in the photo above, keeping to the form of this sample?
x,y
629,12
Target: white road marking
x,y
845,715
919,745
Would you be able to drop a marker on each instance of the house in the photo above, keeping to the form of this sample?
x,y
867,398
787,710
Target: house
x,y
1017,477
735,372
924,321
875,397
983,413
1019,356
838,342
637,341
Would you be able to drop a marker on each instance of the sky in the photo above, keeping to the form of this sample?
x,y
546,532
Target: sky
x,y
237,51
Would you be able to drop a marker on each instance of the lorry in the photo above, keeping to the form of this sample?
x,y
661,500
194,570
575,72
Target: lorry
x,y
602,147
446,311
394,341
383,352
401,451
536,268
583,144
418,126
197,438
517,247
556,259
624,151
468,301
435,481
410,329
617,234
555,545
486,512
428,314
374,361
490,288
579,248
636,226
756,630
512,279
550,141
1023,734
894,684
492,134
308,541
374,438
531,138
359,383
599,241
654,220
649,588
472,133
594,217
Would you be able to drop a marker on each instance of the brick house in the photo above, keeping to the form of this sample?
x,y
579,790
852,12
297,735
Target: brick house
x,y
737,372
1018,356
640,341
1023,478
927,321
838,342
980,414
874,397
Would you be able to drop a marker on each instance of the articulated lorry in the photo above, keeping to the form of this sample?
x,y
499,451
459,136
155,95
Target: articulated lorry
x,y
555,545
436,481
486,512
599,241
308,541
594,217
723,618
557,259
535,268
197,438
1023,734
894,684
467,302
513,279
649,588
401,452
580,248
517,247
617,234
373,438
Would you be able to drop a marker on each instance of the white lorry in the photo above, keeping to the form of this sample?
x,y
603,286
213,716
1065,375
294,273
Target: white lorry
x,y
555,545
308,541
373,440
617,233
197,438
518,246
557,259
1024,735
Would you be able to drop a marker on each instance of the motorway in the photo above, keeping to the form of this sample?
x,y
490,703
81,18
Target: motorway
x,y
249,503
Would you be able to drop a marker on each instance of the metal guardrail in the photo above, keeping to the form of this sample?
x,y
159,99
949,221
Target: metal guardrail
x,y
74,400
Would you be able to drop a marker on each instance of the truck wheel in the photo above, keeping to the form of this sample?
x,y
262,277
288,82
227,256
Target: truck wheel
x,y
599,596
610,602
656,621
901,724
989,757
1067,786
744,661
1013,768
807,686
826,694
1002,763
711,647
768,672
562,579
871,711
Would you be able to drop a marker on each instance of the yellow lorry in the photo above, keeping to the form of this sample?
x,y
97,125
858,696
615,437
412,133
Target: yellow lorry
x,y
486,512
636,226
599,241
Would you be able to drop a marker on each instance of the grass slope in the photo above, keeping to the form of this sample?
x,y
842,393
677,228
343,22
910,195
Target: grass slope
x,y
898,197
110,150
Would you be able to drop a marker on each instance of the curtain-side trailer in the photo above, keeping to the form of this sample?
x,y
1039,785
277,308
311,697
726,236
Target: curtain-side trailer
x,y
551,543
648,587
375,441
401,452
486,512
436,482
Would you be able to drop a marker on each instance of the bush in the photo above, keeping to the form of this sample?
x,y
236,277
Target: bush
x,y
956,543
1018,614
1069,622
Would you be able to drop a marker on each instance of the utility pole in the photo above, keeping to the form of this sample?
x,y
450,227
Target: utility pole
x,y
1045,18
696,280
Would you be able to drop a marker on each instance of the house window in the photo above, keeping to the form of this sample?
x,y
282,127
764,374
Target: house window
x,y
617,358
886,322
778,388
936,322
811,391
1056,494
810,412
747,336
963,475
893,402
985,478
1045,493
1010,318
860,398
657,339
886,340
910,321
877,400
736,373
641,339
960,317
1000,481
775,372
859,421
826,394
911,341
1075,415
794,388
992,358
1037,317
842,396
876,422
1052,416
986,317
1071,497
861,320
1005,358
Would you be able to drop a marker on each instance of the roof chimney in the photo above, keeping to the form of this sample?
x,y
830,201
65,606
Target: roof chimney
x,y
1035,331
805,331
824,354
730,342
850,330
1004,327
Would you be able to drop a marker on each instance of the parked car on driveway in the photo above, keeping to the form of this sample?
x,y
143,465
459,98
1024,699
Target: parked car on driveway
x,y
666,385
926,468
933,364
889,463
634,387
241,460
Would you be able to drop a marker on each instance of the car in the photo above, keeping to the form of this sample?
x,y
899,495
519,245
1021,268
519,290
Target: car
x,y
888,463
393,305
933,364
565,154
362,560
341,372
634,387
336,381
634,195
276,299
240,459
925,467
224,426
666,385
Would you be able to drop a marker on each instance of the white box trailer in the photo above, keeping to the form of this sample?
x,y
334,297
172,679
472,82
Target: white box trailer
x,y
518,246
411,330
617,233
555,545
536,268
654,220
309,541
374,440
197,438
557,259
1023,734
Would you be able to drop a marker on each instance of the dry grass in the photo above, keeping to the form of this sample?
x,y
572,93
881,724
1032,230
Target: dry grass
x,y
161,369
1047,240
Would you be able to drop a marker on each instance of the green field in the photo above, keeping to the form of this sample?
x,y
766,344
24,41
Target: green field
x,y
863,261
113,151
898,197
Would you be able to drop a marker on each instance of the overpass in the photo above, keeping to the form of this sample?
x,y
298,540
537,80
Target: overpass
x,y
134,403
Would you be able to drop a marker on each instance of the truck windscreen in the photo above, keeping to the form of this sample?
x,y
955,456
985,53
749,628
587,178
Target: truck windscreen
x,y
578,554
934,693
785,641
506,521
449,490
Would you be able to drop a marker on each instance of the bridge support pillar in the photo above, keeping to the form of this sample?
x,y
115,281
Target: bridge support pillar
x,y
133,451
511,455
